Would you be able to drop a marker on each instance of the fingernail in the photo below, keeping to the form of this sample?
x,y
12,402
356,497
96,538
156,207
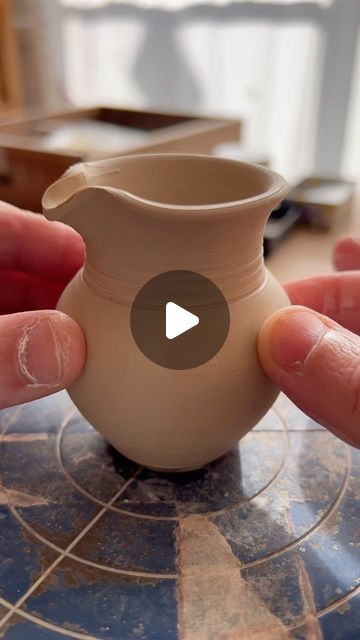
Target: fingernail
x,y
293,336
43,352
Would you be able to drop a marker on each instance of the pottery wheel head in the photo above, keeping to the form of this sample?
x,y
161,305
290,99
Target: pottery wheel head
x,y
92,546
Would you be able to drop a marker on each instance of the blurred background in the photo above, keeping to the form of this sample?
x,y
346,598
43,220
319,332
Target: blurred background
x,y
274,82
290,71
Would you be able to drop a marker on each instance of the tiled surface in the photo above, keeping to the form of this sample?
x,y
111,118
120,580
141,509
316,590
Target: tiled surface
x,y
31,471
17,627
343,623
296,501
108,605
295,420
118,541
3,611
23,558
41,416
278,583
91,462
210,489
331,555
92,547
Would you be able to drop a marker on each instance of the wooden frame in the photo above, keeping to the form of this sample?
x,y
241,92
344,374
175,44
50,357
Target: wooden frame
x,y
10,85
27,168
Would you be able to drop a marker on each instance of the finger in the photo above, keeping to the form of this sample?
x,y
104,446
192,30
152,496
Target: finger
x,y
22,292
336,296
40,353
29,243
346,254
316,362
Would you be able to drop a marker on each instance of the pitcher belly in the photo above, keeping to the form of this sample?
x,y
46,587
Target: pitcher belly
x,y
166,418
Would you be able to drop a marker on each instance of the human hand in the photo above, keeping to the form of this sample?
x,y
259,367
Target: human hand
x,y
41,350
313,353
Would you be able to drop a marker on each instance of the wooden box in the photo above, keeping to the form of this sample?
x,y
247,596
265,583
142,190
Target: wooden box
x,y
28,166
324,201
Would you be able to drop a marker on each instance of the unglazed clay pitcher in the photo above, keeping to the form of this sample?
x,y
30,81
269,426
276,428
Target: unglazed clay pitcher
x,y
147,215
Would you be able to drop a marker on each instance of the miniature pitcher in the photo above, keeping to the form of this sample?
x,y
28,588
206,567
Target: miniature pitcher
x,y
172,379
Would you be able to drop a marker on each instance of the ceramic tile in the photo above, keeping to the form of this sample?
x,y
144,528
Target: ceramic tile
x,y
218,598
294,418
3,612
43,496
107,605
17,628
277,584
262,526
270,422
254,513
23,558
7,416
130,544
44,415
221,485
92,462
342,623
332,554
253,531
301,633
319,461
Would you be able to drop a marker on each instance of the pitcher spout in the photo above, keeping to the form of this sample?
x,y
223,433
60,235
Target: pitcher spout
x,y
62,191
60,199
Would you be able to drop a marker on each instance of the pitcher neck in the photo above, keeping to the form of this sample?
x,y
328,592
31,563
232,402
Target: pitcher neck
x,y
228,252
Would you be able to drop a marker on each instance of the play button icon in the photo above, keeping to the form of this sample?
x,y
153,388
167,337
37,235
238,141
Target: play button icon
x,y
179,319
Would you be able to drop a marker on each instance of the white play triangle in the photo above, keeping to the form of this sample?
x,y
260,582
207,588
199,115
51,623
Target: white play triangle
x,y
178,320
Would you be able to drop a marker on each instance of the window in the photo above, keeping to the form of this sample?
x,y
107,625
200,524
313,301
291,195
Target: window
x,y
286,68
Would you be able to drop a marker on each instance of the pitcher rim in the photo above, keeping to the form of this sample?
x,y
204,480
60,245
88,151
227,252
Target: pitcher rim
x,y
277,189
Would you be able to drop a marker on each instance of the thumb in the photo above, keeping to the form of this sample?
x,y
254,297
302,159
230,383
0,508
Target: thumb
x,y
316,362
40,352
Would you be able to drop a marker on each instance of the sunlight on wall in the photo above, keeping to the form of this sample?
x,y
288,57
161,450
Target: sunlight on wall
x,y
351,155
264,73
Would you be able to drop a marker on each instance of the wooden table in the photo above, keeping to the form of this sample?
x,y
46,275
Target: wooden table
x,y
307,251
